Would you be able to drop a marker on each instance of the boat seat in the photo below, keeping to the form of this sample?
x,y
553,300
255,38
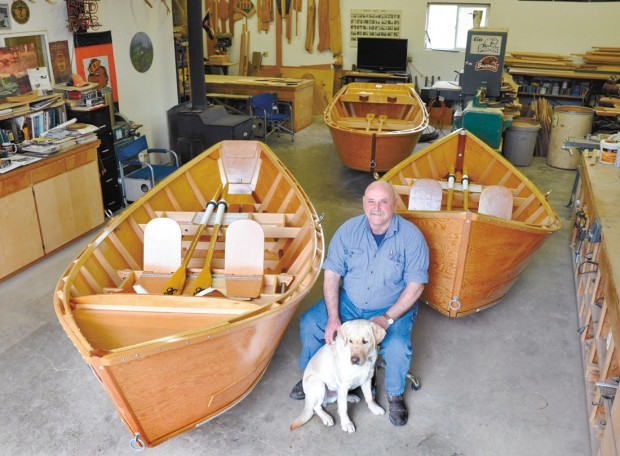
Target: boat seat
x,y
425,195
244,259
496,200
162,245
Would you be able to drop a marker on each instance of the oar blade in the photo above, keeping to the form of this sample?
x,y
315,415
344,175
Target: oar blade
x,y
176,282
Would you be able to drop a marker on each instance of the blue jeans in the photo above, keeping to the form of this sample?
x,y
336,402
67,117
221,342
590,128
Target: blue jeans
x,y
395,348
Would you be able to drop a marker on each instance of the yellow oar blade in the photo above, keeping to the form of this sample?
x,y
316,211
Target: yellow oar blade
x,y
176,283
369,118
382,119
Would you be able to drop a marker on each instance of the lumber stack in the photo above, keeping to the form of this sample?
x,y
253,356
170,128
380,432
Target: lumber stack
x,y
601,58
539,60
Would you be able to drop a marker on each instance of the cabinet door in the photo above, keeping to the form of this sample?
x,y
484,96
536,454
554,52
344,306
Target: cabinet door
x,y
20,239
69,205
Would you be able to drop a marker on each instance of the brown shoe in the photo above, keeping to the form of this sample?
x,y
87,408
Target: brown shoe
x,y
398,410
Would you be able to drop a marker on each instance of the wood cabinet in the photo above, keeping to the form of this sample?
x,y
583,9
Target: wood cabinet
x,y
595,243
47,204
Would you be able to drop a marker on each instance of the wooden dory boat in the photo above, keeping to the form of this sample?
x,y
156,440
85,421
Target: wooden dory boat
x,y
375,126
171,362
480,238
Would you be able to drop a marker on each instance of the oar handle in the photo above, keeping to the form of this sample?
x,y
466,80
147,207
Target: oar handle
x,y
208,211
465,184
221,208
451,180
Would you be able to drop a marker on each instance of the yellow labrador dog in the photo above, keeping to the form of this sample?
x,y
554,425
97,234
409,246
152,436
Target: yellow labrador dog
x,y
344,365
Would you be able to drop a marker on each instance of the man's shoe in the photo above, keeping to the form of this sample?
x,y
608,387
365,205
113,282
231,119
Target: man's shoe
x,y
398,410
297,392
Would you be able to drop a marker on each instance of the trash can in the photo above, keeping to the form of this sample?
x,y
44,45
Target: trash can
x,y
520,142
568,121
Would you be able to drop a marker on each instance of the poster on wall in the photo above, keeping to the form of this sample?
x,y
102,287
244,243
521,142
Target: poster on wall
x,y
95,59
367,23
61,61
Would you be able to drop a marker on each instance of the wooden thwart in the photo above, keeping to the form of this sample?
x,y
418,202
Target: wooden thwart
x,y
160,303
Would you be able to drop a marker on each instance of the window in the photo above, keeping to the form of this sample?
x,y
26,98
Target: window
x,y
447,24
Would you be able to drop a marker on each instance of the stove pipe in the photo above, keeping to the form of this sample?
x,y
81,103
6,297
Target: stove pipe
x,y
196,54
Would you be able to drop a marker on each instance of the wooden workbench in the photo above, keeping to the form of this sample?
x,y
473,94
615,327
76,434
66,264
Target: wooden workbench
x,y
597,278
298,92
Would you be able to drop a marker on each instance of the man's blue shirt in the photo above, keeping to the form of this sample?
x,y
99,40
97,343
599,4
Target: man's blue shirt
x,y
373,277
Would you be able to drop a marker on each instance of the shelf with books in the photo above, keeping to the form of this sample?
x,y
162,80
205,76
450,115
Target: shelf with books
x,y
23,118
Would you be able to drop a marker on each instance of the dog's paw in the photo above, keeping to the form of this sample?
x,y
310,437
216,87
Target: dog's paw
x,y
376,408
353,398
348,426
326,418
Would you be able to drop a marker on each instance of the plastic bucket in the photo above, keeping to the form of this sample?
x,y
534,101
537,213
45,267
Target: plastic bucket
x,y
520,142
568,121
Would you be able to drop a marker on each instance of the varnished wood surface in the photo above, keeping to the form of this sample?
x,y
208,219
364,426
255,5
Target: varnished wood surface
x,y
298,92
47,204
474,258
388,118
171,362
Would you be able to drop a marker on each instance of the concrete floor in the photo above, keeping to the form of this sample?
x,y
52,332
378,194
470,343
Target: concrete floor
x,y
505,381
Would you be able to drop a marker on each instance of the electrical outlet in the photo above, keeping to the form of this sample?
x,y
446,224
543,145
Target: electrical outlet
x,y
265,54
409,59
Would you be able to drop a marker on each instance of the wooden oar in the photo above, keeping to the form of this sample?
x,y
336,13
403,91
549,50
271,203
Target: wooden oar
x,y
382,118
369,118
205,279
451,179
465,184
177,281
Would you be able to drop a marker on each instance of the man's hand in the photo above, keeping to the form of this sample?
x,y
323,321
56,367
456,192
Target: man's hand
x,y
330,330
381,321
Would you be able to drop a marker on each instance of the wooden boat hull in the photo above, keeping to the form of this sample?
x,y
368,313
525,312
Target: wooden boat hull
x,y
375,126
170,363
474,258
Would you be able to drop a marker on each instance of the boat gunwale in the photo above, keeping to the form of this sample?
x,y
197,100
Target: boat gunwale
x,y
408,88
293,295
555,222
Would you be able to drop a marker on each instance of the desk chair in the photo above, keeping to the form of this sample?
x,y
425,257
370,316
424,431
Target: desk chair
x,y
267,109
137,177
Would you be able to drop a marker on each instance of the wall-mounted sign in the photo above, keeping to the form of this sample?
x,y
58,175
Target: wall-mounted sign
x,y
20,11
368,23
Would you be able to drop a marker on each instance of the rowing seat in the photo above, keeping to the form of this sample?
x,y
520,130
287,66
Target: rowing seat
x,y
425,195
496,200
244,259
162,245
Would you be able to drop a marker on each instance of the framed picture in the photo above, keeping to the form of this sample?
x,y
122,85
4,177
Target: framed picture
x,y
33,48
23,52
5,16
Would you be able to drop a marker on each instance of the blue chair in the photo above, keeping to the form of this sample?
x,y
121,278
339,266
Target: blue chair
x,y
275,116
137,177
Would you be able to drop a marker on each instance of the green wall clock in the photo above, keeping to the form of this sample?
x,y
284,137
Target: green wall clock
x,y
20,11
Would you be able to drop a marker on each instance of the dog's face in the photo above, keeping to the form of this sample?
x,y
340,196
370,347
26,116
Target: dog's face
x,y
360,338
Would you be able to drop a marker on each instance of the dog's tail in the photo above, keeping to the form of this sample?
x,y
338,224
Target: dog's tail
x,y
303,418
